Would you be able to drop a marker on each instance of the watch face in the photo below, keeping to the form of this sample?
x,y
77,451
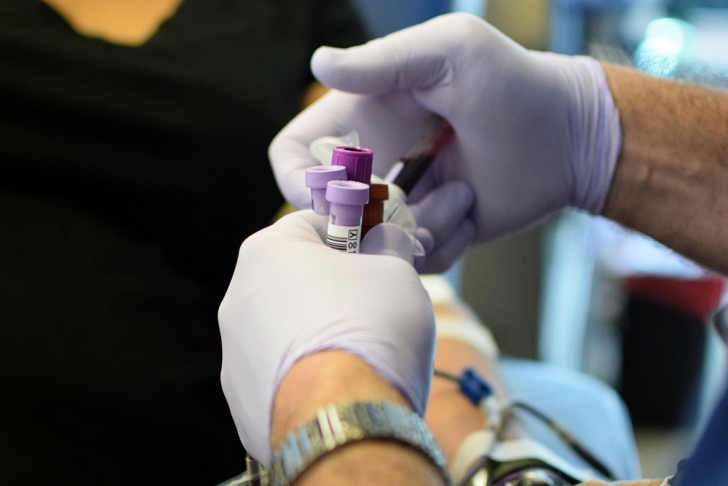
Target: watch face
x,y
533,477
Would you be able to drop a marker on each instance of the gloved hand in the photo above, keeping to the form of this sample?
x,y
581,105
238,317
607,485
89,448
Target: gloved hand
x,y
535,132
291,296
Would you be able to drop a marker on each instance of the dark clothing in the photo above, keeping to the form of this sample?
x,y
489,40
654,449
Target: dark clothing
x,y
709,464
129,176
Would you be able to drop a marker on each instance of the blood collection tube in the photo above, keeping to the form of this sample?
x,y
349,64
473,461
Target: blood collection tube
x,y
358,163
430,142
374,210
405,174
347,200
316,179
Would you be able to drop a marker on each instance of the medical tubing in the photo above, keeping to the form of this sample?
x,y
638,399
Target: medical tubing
x,y
407,172
568,439
479,393
436,136
561,432
477,466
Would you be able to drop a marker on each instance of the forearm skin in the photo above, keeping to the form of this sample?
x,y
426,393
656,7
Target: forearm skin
x,y
450,415
339,377
671,179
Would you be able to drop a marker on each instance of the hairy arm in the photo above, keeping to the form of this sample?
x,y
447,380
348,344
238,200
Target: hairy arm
x,y
338,377
671,178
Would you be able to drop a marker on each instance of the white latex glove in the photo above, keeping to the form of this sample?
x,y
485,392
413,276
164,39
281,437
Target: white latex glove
x,y
535,132
291,296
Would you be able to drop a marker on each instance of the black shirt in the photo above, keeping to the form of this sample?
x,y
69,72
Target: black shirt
x,y
128,178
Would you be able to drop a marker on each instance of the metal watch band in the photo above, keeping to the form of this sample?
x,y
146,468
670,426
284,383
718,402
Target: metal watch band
x,y
336,425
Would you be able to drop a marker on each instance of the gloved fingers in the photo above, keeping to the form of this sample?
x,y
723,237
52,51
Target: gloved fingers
x,y
443,209
445,254
424,236
390,239
383,239
387,125
299,226
291,296
411,59
289,151
422,243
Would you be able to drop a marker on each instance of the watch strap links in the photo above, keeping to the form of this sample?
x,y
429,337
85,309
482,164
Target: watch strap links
x,y
337,425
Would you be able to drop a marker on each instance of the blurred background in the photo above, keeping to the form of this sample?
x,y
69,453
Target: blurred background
x,y
580,291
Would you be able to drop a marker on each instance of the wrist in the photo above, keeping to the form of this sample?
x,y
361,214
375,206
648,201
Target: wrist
x,y
372,463
364,457
360,443
323,378
596,134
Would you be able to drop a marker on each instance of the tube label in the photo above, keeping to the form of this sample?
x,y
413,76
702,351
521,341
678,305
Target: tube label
x,y
344,238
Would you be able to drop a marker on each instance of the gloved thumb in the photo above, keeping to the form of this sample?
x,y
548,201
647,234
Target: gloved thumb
x,y
390,239
406,60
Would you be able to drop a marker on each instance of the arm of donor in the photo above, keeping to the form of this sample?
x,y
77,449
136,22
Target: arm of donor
x,y
339,377
295,305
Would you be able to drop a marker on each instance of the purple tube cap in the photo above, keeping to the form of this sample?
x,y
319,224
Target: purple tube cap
x,y
317,177
350,193
358,162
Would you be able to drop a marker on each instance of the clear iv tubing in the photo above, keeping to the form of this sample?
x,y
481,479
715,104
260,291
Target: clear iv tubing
x,y
507,410
406,173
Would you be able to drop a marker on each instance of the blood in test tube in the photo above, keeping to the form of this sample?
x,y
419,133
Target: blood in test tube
x,y
374,210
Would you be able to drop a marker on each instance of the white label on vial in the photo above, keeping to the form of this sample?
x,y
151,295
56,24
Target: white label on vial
x,y
344,238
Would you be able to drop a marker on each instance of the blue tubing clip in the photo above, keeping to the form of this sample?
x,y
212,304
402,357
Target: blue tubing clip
x,y
474,387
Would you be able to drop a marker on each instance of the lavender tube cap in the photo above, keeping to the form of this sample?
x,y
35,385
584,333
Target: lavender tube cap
x,y
317,178
358,162
347,200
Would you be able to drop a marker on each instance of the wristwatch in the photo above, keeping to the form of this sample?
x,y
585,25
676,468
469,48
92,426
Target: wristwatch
x,y
337,425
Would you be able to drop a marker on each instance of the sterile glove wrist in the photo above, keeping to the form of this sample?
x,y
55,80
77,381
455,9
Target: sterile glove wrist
x,y
534,132
595,132
291,296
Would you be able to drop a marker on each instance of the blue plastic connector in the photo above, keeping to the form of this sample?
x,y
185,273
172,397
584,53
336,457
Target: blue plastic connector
x,y
474,387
